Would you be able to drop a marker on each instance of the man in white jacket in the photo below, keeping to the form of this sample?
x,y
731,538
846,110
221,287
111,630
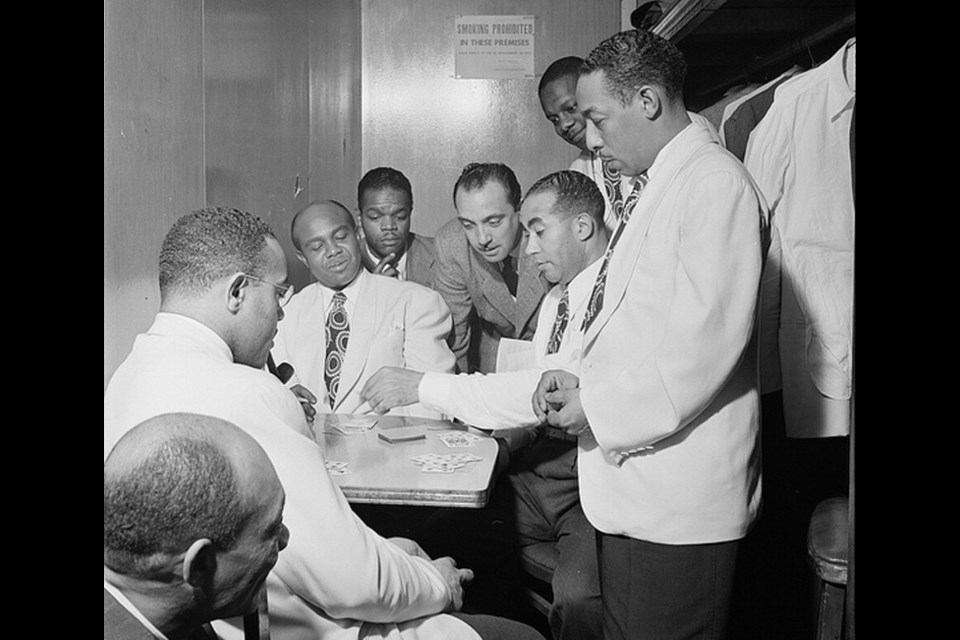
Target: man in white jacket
x,y
223,282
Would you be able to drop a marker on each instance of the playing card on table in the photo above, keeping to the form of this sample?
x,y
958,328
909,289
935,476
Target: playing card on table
x,y
458,439
336,468
350,424
448,463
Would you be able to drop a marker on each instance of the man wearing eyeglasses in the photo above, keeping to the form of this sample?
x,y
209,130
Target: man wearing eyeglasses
x,y
222,277
342,328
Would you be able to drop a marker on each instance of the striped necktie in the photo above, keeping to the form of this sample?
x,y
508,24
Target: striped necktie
x,y
338,334
596,296
560,324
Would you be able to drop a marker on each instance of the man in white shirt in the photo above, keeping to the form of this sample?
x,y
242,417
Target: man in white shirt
x,y
177,555
666,404
222,286
562,215
385,321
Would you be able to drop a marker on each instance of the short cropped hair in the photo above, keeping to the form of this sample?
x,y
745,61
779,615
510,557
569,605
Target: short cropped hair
x,y
296,216
477,174
381,178
575,192
561,68
631,59
182,491
209,244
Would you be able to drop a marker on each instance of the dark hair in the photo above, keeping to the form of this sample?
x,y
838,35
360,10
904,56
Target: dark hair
x,y
383,177
631,59
477,174
209,244
575,192
561,68
183,490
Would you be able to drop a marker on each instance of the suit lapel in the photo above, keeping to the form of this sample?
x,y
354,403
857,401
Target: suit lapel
x,y
494,289
420,261
630,247
363,323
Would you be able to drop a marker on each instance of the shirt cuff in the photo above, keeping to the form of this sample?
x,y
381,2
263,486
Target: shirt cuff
x,y
434,389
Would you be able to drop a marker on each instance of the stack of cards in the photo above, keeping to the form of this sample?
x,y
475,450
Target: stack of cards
x,y
337,468
458,439
436,463
351,424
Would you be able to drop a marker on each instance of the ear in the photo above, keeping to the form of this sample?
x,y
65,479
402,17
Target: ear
x,y
200,564
584,226
236,291
648,97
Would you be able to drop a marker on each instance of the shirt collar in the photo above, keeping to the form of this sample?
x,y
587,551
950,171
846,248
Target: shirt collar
x,y
129,606
350,291
167,322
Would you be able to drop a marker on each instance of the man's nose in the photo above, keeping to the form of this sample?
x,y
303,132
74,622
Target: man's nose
x,y
388,222
594,141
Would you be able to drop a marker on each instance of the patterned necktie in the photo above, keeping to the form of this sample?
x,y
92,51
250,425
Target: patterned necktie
x,y
596,296
338,333
611,184
560,324
509,273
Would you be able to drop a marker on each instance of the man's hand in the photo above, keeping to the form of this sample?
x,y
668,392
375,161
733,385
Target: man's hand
x,y
456,579
384,267
566,411
307,400
551,380
391,387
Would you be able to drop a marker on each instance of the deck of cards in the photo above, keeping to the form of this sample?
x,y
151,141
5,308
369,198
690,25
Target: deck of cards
x,y
455,439
446,463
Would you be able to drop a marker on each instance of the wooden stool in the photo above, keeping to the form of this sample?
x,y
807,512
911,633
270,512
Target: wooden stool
x,y
827,549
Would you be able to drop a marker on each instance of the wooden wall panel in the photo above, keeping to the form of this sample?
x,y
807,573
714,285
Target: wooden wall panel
x,y
420,119
152,153
257,108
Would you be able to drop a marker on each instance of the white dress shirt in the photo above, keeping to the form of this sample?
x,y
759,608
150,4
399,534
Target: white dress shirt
x,y
502,401
800,156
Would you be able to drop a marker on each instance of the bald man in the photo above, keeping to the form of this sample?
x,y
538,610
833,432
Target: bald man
x,y
342,328
192,525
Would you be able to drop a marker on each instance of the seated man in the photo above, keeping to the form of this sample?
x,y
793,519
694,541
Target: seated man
x,y
563,217
385,204
371,320
491,287
222,283
177,555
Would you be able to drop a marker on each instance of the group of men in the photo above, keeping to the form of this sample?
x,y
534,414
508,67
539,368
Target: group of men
x,y
633,278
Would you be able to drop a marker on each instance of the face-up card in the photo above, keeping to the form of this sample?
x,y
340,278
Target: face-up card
x,y
350,424
458,439
336,468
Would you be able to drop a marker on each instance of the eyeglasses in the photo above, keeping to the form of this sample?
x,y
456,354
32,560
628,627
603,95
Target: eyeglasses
x,y
284,291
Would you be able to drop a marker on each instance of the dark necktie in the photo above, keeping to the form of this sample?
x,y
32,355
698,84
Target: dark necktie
x,y
560,324
611,184
596,296
509,273
338,333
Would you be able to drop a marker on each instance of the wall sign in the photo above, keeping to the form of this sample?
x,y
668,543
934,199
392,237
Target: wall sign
x,y
494,46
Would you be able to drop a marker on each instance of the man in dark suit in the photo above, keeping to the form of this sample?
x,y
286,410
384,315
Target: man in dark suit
x,y
385,206
192,525
493,289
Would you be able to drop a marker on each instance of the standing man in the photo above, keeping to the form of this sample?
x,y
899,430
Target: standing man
x,y
666,403
492,289
175,553
385,206
558,99
223,283
563,216
377,320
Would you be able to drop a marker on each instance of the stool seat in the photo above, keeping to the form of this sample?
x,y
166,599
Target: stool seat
x,y
827,548
827,539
